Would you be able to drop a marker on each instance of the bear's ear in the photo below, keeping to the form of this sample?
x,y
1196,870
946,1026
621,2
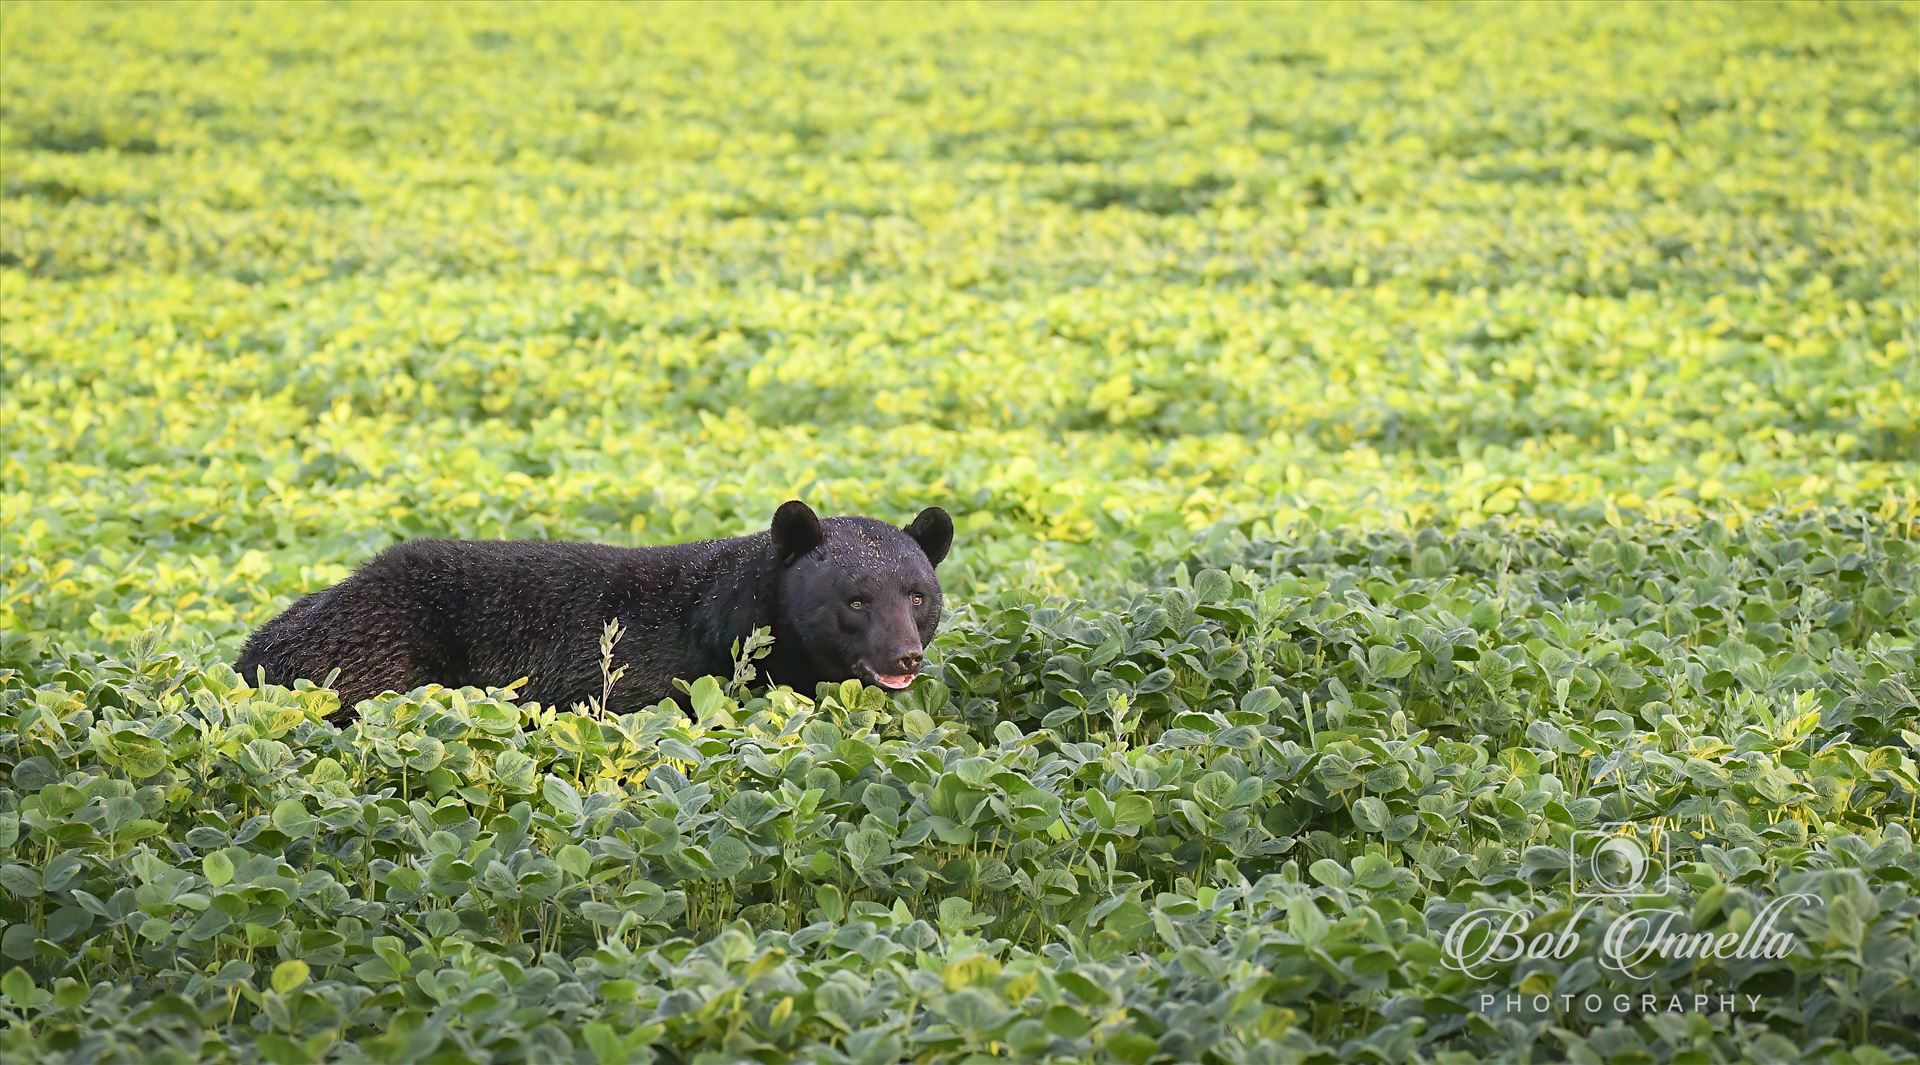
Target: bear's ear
x,y
933,531
796,530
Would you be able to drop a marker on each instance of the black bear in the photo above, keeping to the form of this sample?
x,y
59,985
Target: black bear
x,y
846,598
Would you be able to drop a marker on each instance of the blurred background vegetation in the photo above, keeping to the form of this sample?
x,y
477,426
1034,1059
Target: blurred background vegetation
x,y
284,284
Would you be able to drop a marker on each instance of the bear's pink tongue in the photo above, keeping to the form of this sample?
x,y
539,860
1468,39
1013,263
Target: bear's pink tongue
x,y
895,681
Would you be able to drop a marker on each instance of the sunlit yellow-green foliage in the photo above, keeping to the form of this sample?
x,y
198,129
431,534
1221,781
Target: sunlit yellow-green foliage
x,y
283,284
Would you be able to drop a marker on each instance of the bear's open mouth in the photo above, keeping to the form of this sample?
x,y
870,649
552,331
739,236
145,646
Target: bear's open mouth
x,y
890,681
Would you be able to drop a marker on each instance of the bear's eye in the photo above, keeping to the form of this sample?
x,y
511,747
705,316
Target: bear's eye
x,y
857,604
919,599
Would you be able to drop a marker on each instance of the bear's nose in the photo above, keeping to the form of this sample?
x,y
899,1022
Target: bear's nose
x,y
910,661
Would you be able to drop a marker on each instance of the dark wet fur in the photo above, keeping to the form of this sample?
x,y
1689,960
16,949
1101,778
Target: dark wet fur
x,y
486,613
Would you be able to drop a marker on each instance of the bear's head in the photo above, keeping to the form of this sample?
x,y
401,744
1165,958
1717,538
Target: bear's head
x,y
858,595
